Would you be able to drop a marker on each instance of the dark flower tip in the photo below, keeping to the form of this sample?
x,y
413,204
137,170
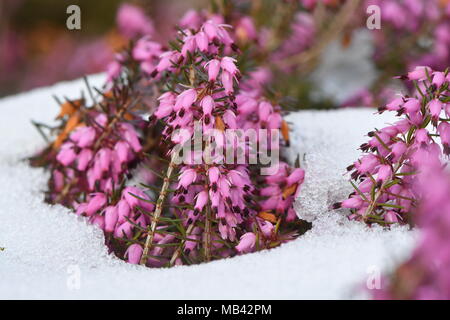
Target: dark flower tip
x,y
336,205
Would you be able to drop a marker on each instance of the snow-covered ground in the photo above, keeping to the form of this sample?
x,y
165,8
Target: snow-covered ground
x,y
47,249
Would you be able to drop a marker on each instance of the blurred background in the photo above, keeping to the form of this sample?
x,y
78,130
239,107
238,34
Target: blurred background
x,y
37,49
319,52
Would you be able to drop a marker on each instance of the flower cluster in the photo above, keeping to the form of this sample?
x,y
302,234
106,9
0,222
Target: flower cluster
x,y
384,177
94,151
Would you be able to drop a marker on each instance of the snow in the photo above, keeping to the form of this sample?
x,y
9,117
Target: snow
x,y
47,249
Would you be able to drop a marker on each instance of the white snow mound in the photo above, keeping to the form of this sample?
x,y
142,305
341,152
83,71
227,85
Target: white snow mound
x,y
51,253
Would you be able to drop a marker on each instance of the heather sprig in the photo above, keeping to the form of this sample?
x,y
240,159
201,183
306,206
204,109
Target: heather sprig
x,y
384,177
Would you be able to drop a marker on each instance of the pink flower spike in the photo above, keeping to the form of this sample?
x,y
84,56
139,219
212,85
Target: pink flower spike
x,y
134,253
246,243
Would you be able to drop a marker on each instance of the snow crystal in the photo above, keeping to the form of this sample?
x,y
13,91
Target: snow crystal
x,y
50,253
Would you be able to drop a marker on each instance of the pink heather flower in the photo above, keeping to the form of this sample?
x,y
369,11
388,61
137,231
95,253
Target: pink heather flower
x,y
132,21
227,81
246,243
124,230
435,107
111,217
185,99
83,159
202,199
136,197
412,105
129,134
228,64
189,46
103,159
66,154
201,39
296,176
123,210
134,253
438,78
207,104
216,31
384,173
83,137
213,174
352,203
419,73
213,67
95,203
122,150
391,217
186,178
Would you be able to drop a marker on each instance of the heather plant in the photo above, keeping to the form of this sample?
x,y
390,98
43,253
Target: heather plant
x,y
182,212
385,175
213,202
